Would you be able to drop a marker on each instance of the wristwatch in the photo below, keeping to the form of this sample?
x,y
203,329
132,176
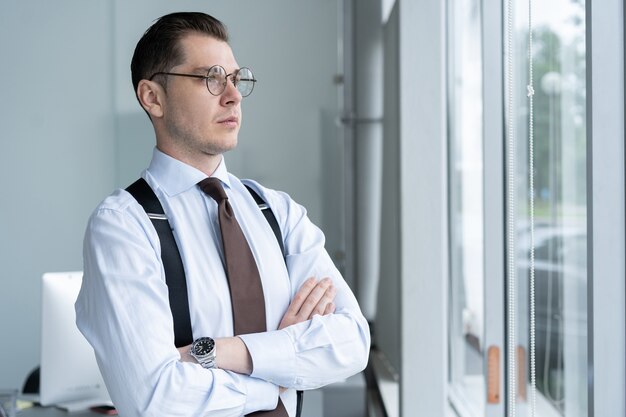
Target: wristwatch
x,y
203,349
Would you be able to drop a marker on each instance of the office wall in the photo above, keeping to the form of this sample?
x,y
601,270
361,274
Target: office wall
x,y
72,130
56,159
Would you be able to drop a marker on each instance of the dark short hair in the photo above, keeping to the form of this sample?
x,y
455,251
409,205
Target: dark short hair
x,y
158,50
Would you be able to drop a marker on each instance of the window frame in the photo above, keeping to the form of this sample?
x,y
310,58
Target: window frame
x,y
493,192
461,400
606,199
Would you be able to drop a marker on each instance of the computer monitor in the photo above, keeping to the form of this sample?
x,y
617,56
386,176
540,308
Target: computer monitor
x,y
70,377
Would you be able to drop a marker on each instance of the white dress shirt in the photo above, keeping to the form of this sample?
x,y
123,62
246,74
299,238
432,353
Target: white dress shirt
x,y
123,306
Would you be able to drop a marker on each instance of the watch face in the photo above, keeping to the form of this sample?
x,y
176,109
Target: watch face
x,y
203,346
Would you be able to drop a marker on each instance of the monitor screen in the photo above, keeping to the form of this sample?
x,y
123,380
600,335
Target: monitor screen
x,y
69,372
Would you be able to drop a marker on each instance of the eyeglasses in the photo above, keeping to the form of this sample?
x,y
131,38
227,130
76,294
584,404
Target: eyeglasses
x,y
216,79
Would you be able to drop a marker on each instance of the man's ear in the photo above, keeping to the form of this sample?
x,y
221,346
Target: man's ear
x,y
151,96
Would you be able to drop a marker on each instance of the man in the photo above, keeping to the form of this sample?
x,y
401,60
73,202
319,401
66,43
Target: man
x,y
187,80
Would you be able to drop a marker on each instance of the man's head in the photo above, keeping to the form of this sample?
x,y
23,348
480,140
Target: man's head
x,y
171,72
159,48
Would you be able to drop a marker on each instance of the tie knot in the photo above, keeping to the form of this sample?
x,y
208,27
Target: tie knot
x,y
213,187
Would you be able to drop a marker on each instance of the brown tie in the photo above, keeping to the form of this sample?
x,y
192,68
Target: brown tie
x,y
244,281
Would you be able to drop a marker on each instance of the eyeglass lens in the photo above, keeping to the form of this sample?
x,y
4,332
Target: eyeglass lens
x,y
243,79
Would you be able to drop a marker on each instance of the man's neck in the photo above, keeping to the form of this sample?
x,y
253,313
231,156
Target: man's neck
x,y
204,162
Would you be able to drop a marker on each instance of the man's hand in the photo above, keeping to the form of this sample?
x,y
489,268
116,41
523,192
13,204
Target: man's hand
x,y
312,298
185,356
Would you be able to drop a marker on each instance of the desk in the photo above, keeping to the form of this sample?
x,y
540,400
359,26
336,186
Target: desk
x,y
53,412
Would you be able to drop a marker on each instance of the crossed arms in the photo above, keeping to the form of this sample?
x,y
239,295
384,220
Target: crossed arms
x,y
314,297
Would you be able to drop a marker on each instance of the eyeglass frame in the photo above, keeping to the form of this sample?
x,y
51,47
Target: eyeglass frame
x,y
206,78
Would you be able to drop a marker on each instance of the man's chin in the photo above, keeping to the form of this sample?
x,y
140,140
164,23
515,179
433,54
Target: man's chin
x,y
221,148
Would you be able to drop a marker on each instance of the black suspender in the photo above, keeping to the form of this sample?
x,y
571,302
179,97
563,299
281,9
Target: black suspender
x,y
269,216
173,265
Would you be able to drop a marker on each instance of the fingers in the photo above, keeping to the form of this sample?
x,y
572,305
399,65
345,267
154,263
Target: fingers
x,y
301,296
324,302
312,298
317,297
291,315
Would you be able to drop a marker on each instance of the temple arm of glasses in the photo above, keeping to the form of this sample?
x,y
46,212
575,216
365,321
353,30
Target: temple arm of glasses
x,y
196,76
178,74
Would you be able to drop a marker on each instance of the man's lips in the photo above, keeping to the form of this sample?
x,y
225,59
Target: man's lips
x,y
229,121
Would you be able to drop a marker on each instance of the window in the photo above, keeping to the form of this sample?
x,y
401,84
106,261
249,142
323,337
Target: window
x,y
465,164
560,207
554,245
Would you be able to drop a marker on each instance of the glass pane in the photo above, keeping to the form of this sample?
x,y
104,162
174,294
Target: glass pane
x,y
560,234
466,206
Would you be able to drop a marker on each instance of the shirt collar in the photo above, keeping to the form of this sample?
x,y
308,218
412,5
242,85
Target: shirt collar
x,y
175,177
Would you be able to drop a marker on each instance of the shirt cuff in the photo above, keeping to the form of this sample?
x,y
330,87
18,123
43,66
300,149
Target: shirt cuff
x,y
261,395
273,357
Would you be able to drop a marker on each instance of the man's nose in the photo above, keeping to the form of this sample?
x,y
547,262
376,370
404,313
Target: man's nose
x,y
231,94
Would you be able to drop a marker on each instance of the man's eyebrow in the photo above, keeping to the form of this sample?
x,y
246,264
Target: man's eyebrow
x,y
205,69
201,69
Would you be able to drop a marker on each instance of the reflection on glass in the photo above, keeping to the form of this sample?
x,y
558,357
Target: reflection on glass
x,y
560,207
466,208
